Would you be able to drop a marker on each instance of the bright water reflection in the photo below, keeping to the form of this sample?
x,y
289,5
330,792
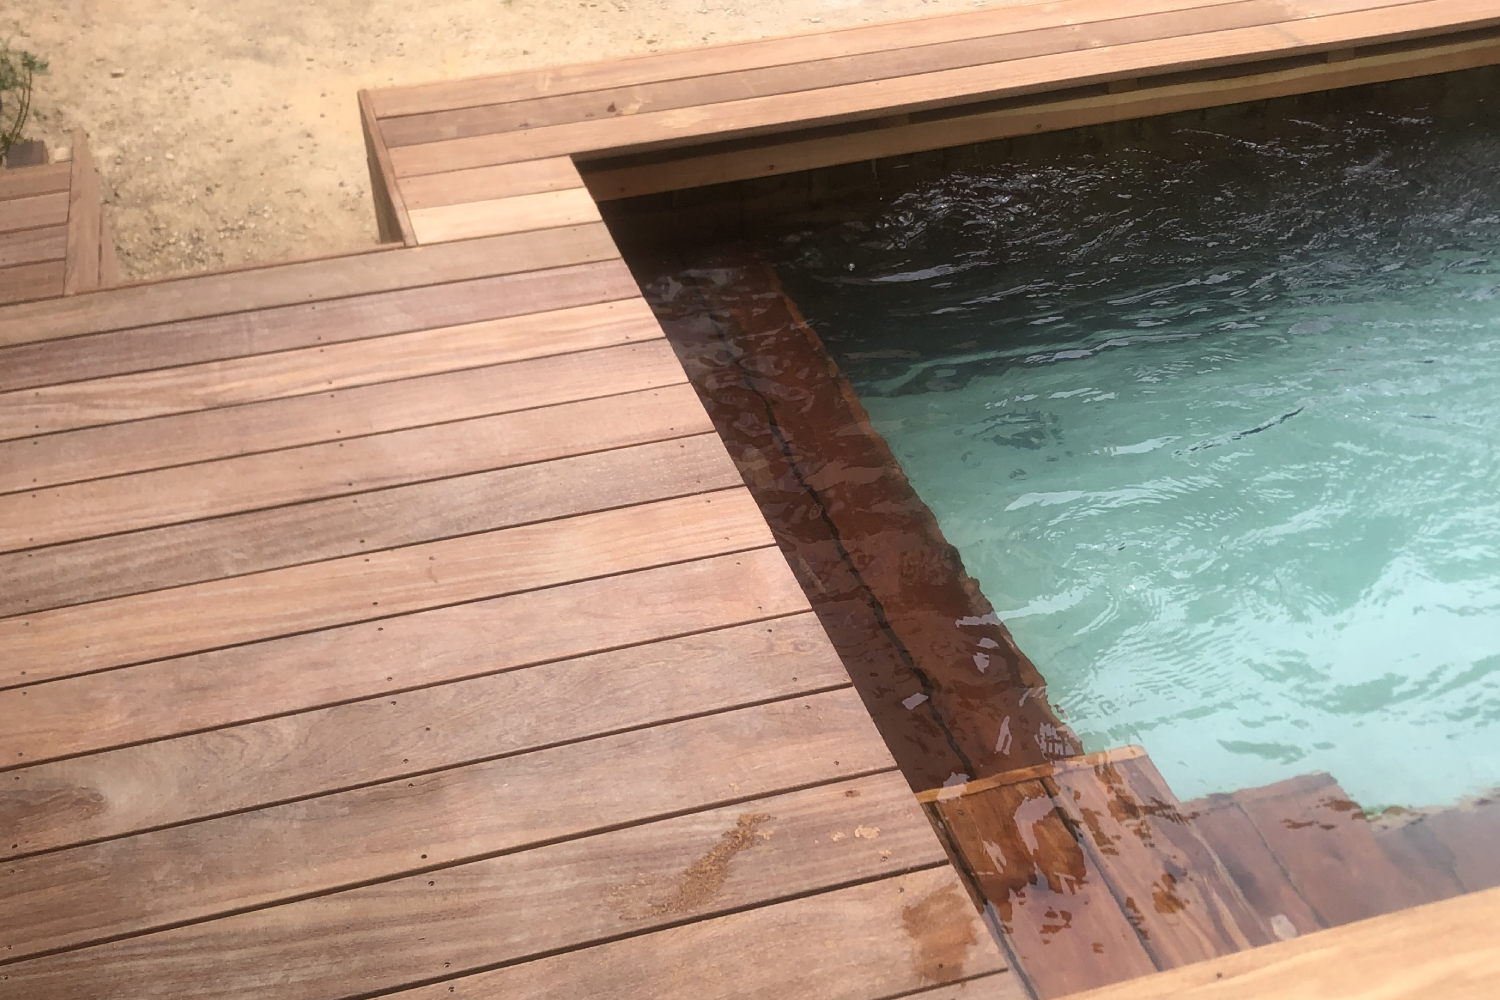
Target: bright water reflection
x,y
1216,424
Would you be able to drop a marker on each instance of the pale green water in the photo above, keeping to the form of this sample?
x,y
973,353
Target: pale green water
x,y
1217,428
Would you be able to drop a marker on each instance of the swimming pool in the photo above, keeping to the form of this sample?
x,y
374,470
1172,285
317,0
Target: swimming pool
x,y
1213,421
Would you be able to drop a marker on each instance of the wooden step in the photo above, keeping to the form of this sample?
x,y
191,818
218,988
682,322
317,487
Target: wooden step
x,y
1455,848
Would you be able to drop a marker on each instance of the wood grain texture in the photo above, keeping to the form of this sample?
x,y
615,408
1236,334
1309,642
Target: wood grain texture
x,y
430,821
173,556
390,207
299,673
345,468
316,324
1026,117
446,923
389,736
1443,949
34,211
759,115
515,214
339,414
259,606
26,282
26,182
1252,866
313,281
892,938
1051,900
72,405
504,180
33,246
109,261
85,212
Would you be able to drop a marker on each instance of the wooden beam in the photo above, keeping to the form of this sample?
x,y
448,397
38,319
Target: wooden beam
x,y
390,208
85,212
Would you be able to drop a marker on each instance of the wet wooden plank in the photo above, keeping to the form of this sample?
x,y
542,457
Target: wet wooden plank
x,y
450,922
759,115
30,281
885,939
311,281
139,446
1467,842
1445,949
1417,852
1324,843
431,821
85,211
515,214
205,691
504,180
1182,902
1252,866
1063,924
388,736
33,246
205,616
34,211
173,556
345,468
318,324
28,182
73,405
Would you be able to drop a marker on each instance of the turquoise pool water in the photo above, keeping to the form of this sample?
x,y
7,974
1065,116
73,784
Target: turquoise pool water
x,y
1215,422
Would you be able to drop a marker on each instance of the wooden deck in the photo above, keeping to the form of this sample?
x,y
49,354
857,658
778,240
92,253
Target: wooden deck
x,y
54,238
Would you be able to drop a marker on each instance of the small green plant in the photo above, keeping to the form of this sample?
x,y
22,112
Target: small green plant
x,y
17,69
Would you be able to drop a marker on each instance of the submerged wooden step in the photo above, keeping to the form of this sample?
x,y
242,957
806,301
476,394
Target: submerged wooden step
x,y
1458,848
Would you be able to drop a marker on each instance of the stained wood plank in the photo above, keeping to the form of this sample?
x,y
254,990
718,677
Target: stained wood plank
x,y
205,435
85,210
72,405
204,616
294,674
390,206
109,261
344,468
1324,844
30,281
1469,836
504,180
1444,950
32,246
526,86
896,937
1177,893
1027,117
285,536
356,318
389,736
723,87
459,920
758,115
434,820
515,214
1252,866
312,281
30,181
34,211
1052,902
1417,852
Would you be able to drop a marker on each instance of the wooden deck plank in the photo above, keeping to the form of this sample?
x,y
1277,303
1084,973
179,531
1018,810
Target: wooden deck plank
x,y
504,180
33,246
85,219
316,324
1252,866
25,282
26,182
345,468
315,846
389,736
173,556
833,946
759,115
203,436
34,211
1063,924
808,78
457,920
392,221
1182,902
204,616
259,377
299,673
312,281
514,214
1468,837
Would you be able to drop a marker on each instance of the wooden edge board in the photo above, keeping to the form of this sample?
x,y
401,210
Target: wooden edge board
x,y
513,214
555,173
608,182
390,208
1031,773
197,296
85,210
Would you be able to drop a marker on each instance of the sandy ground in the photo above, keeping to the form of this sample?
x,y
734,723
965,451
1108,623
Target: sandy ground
x,y
229,132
